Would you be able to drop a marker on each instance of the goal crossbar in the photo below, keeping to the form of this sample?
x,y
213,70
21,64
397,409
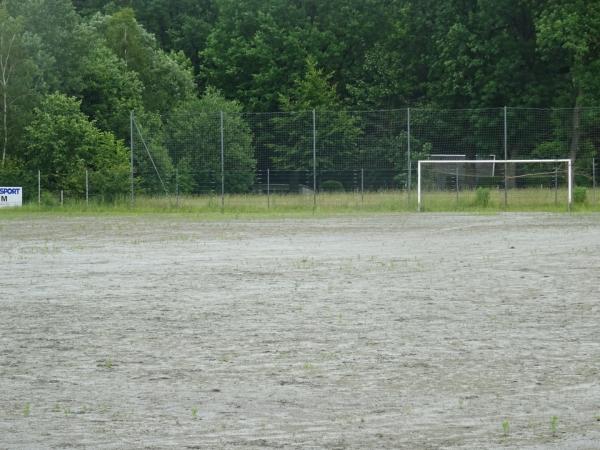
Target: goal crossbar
x,y
496,161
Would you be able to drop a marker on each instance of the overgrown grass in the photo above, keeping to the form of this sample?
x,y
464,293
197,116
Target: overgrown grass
x,y
334,203
517,200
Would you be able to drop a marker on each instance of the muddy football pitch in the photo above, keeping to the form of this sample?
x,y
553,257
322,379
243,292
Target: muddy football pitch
x,y
391,331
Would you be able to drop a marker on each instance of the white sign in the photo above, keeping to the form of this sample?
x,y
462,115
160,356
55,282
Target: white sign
x,y
11,196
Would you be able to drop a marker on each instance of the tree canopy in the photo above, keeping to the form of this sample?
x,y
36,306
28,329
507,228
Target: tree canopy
x,y
164,59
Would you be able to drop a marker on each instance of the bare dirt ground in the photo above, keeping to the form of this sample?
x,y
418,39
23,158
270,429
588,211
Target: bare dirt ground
x,y
395,331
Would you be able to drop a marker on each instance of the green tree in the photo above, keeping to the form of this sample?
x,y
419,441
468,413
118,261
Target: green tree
x,y
167,78
567,33
182,25
337,130
252,57
194,141
62,40
20,80
63,143
153,166
111,91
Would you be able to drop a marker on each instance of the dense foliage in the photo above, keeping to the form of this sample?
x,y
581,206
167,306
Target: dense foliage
x,y
101,59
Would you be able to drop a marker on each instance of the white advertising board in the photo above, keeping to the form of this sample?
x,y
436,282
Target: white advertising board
x,y
11,196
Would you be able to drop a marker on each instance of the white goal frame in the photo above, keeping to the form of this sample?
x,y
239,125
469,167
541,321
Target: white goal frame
x,y
495,161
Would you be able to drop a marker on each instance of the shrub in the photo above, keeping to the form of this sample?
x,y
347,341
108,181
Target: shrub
x,y
579,194
332,186
482,197
62,142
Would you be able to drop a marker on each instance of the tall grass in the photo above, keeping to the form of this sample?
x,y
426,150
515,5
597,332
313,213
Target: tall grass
x,y
531,199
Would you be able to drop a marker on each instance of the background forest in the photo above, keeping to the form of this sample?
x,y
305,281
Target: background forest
x,y
71,72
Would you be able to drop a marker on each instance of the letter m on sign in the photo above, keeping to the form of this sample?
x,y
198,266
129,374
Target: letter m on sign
x,y
3,198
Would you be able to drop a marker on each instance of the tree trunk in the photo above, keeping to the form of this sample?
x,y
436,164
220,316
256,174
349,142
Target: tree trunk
x,y
5,127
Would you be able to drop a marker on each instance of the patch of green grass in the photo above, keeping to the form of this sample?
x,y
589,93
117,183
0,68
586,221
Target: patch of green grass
x,y
26,410
580,195
482,197
208,207
505,427
554,425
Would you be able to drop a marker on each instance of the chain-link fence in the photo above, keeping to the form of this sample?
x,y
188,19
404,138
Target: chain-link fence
x,y
352,158
83,187
347,159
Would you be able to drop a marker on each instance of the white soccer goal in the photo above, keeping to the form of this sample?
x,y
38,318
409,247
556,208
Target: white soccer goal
x,y
530,179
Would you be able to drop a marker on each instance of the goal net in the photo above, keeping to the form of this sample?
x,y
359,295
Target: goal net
x,y
446,183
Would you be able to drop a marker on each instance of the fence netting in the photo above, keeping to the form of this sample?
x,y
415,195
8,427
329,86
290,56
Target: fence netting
x,y
348,158
531,185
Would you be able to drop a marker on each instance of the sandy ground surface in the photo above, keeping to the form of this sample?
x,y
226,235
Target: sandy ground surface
x,y
399,331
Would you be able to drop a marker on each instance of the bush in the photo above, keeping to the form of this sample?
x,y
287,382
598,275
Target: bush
x,y
49,199
62,142
482,197
332,186
579,194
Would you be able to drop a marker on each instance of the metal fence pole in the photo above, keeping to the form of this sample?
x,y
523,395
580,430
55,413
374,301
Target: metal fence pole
x,y
505,157
62,198
39,187
87,188
556,185
362,186
131,144
177,187
268,188
222,164
314,117
457,188
409,159
594,178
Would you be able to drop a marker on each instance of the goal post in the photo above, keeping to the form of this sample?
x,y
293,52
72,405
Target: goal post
x,y
450,173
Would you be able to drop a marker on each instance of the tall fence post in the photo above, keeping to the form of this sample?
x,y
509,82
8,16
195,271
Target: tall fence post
x,y
314,117
222,164
39,187
131,144
556,186
268,188
87,188
362,186
409,159
505,157
457,186
594,178
177,187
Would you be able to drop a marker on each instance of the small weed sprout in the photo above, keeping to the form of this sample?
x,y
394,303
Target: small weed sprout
x,y
194,413
505,427
554,425
26,410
